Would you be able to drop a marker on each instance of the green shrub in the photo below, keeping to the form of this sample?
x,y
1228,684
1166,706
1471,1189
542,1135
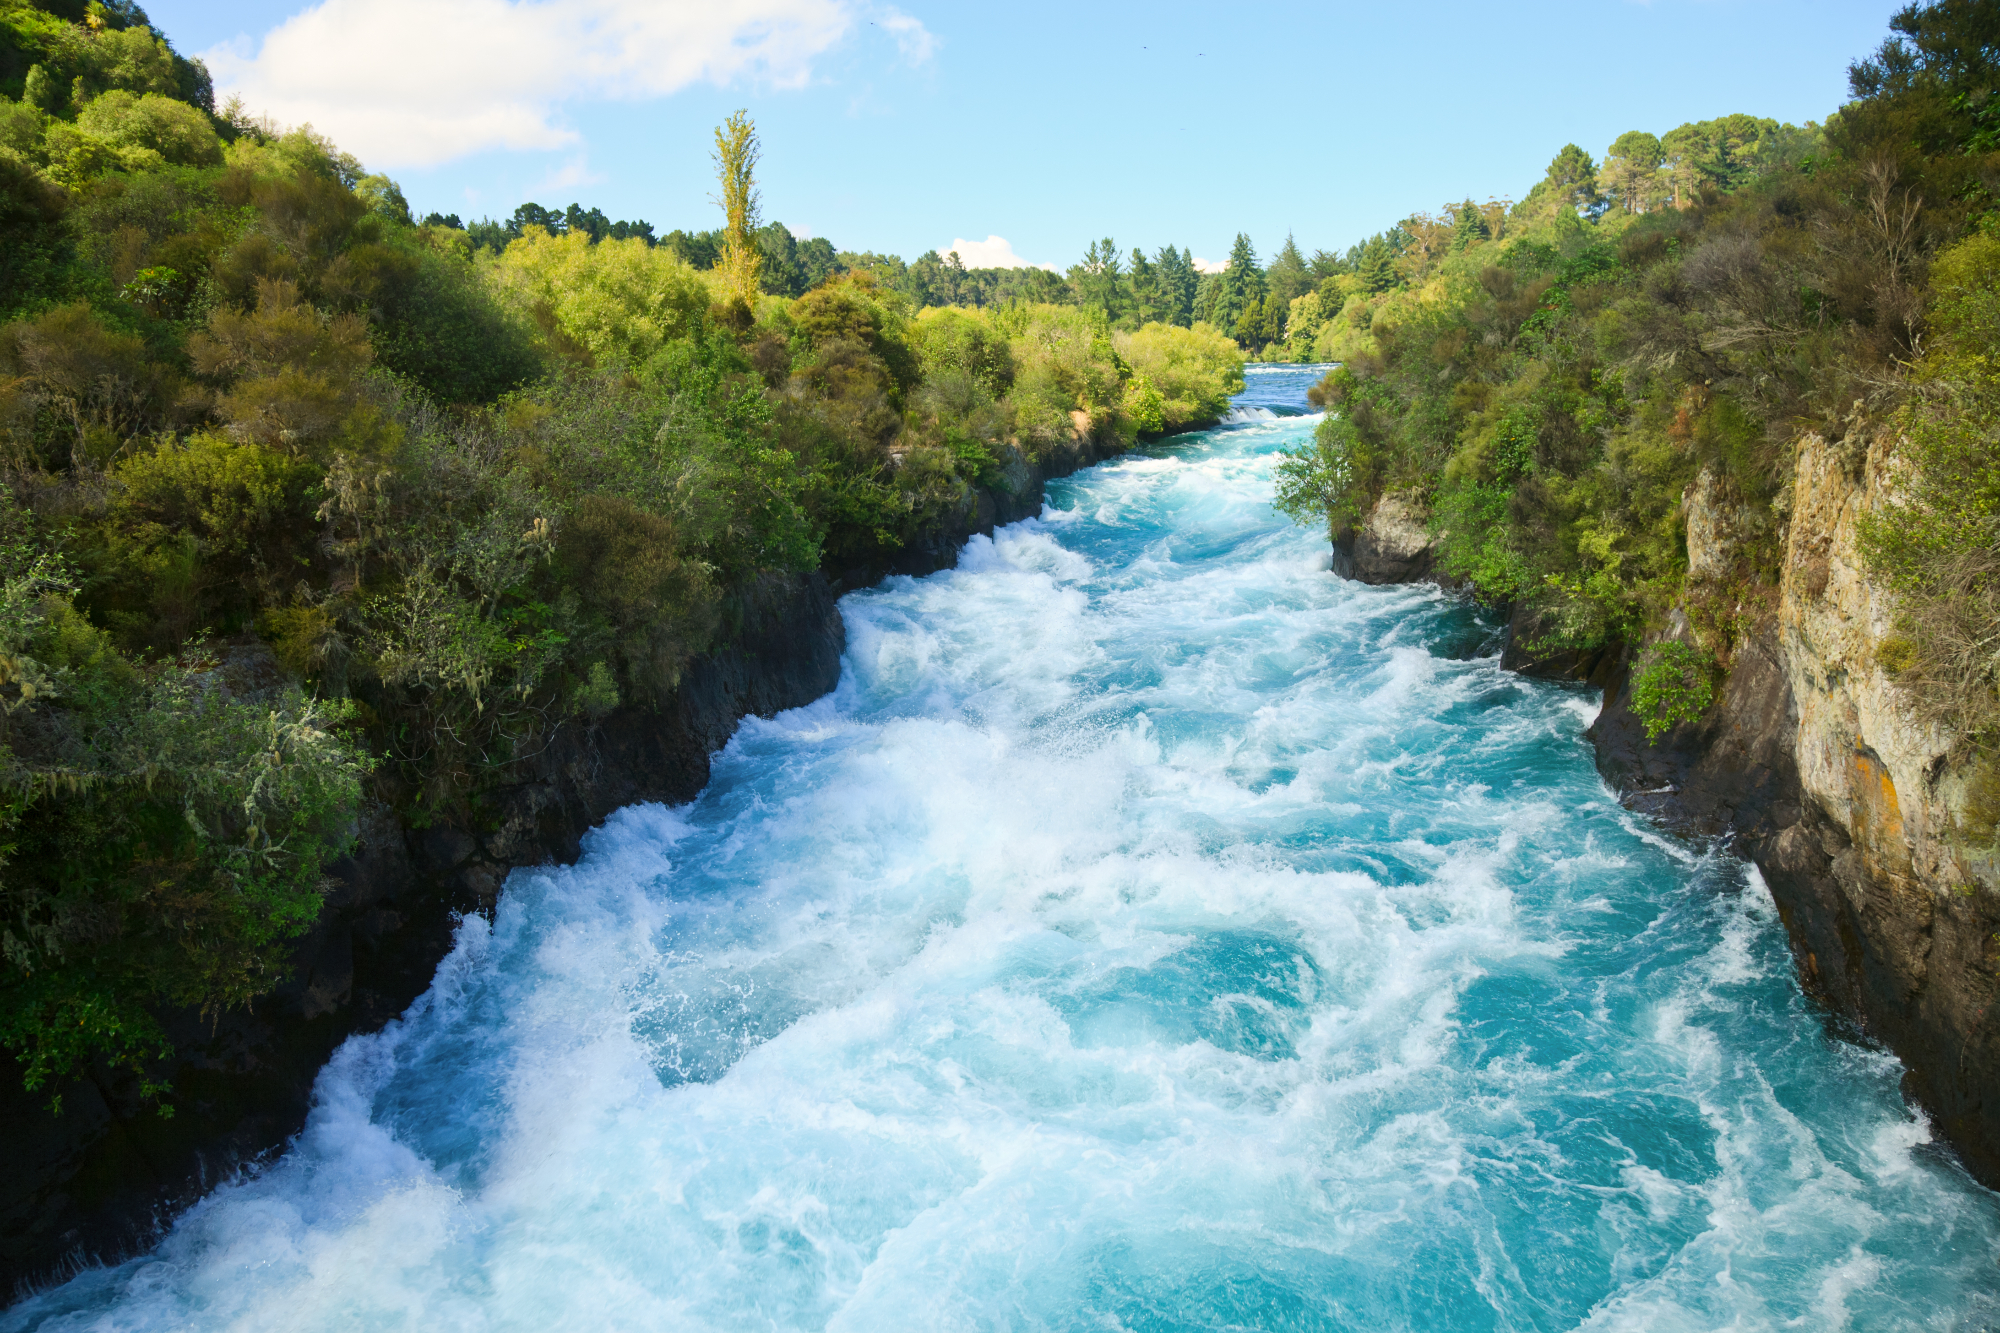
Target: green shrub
x,y
1674,683
160,841
176,131
1192,371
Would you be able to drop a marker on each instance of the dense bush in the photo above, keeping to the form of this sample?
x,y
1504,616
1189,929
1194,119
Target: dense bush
x,y
1193,372
306,504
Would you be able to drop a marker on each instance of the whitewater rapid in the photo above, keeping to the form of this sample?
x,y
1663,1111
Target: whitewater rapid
x,y
1152,932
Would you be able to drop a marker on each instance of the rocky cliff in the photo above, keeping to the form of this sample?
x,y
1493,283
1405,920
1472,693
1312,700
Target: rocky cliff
x,y
1811,764
100,1180
1392,544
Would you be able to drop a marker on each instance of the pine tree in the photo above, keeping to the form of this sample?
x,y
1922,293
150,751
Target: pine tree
x,y
1242,284
1288,276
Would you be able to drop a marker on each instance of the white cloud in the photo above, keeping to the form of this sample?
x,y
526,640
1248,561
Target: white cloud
x,y
417,82
1209,265
571,174
912,38
993,252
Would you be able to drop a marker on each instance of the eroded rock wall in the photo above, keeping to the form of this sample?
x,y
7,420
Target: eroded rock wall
x,y
1891,924
1812,761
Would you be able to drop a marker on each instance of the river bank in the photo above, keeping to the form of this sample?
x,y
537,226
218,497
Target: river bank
x,y
1212,940
1808,766
101,1181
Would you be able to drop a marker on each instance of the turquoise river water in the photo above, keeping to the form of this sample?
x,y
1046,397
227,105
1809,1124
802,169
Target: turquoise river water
x,y
1152,932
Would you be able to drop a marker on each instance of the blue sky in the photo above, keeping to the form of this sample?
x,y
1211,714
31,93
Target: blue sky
x,y
903,128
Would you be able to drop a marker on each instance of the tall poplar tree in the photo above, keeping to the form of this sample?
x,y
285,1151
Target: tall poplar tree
x,y
736,153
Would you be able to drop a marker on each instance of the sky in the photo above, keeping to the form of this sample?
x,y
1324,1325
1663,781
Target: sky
x,y
1020,132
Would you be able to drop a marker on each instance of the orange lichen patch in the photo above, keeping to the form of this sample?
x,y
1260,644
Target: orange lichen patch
x,y
1879,826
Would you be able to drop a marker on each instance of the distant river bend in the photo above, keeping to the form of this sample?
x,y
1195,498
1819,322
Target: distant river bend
x,y
1153,932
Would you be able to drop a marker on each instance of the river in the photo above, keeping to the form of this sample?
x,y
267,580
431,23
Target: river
x,y
1152,932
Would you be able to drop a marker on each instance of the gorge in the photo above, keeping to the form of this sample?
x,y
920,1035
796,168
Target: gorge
x,y
1150,929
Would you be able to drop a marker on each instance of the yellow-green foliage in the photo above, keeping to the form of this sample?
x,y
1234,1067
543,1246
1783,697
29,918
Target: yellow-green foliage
x,y
176,131
616,301
1065,363
1193,371
950,341
1344,335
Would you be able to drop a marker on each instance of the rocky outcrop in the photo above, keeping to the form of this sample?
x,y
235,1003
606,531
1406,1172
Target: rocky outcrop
x,y
1392,543
100,1180
1814,764
1892,926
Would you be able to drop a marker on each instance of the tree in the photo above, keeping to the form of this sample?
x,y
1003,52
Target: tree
x,y
1178,284
1374,260
534,215
592,223
1468,225
781,274
953,279
923,281
1262,323
818,261
1149,300
1096,279
1631,169
1242,284
1952,43
735,157
1571,184
700,249
1429,240
1288,277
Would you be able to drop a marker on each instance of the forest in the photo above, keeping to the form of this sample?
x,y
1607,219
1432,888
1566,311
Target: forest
x,y
309,504
1548,379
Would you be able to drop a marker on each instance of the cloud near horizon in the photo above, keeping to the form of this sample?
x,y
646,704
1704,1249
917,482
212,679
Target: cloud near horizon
x,y
993,252
414,83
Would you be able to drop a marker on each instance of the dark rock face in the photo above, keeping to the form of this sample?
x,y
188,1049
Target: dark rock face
x,y
1895,957
1897,962
1595,665
1912,968
1731,772
101,1180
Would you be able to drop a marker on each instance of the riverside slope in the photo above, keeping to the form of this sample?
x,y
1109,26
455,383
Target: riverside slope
x,y
100,1181
1809,763
1150,932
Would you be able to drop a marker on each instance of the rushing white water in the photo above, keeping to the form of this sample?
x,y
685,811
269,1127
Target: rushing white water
x,y
1153,932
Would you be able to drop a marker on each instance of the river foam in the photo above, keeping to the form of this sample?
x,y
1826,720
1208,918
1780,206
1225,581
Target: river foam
x,y
1151,932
